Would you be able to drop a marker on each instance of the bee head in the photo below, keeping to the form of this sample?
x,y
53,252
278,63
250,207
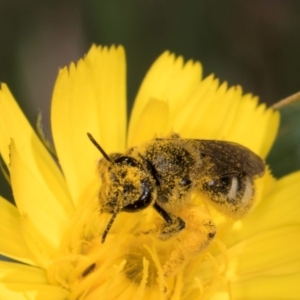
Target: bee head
x,y
126,184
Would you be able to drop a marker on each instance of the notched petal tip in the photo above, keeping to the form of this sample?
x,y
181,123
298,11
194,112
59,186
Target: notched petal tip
x,y
92,93
169,79
177,60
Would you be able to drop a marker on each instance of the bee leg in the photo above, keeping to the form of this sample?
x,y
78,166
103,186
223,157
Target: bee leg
x,y
171,227
199,232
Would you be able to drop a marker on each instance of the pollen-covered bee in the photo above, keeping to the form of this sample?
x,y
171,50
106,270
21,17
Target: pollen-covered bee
x,y
163,173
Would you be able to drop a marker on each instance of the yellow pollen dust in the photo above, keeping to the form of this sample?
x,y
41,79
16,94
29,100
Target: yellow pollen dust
x,y
130,261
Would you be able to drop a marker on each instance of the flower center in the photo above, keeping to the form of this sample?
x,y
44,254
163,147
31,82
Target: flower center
x,y
130,261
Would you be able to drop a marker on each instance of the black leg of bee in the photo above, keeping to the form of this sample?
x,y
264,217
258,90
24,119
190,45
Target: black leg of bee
x,y
174,224
163,213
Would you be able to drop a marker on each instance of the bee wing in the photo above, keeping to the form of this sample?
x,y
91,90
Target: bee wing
x,y
229,158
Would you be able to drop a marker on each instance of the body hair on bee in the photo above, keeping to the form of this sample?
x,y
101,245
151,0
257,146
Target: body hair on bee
x,y
164,172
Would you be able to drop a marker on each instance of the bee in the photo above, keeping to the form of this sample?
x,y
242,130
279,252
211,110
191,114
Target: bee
x,y
164,172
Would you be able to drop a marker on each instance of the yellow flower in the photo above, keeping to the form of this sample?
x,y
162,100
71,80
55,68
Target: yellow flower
x,y
53,234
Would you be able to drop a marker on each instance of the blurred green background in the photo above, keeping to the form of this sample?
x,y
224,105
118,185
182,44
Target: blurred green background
x,y
253,43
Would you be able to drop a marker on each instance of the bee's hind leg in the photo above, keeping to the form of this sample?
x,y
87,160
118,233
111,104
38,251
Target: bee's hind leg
x,y
199,232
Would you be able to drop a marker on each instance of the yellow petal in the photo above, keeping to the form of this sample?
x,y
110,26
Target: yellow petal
x,y
169,79
281,205
255,126
12,243
39,188
203,109
278,208
186,121
20,273
267,249
41,248
267,288
89,97
215,112
152,122
36,201
21,282
23,291
13,125
274,252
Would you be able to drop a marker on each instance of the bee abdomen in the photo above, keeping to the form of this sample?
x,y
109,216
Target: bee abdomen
x,y
232,194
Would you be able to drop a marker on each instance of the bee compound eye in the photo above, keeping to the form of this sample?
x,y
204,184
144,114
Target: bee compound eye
x,y
144,200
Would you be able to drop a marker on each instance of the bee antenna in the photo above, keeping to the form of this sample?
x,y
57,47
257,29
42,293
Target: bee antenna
x,y
99,147
108,227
